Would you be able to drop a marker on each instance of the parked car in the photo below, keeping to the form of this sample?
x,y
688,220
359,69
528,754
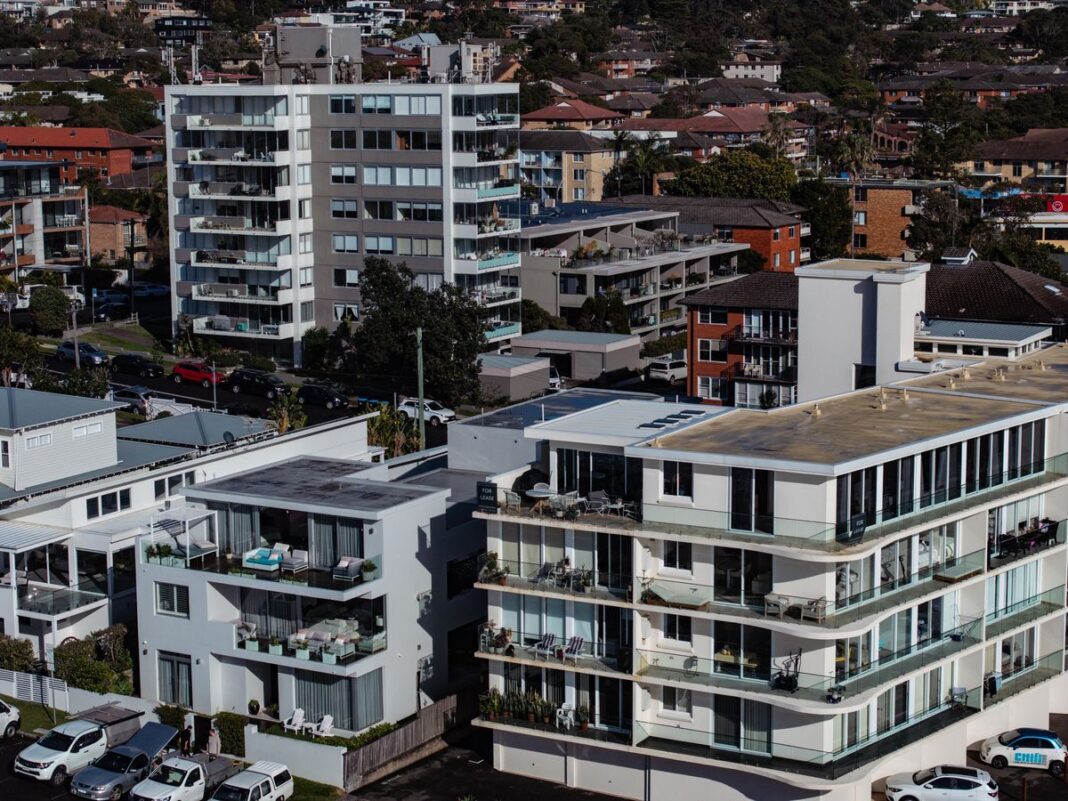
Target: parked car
x,y
151,291
264,781
112,310
1026,748
555,382
944,782
137,398
322,395
90,355
184,779
671,369
10,720
74,744
433,412
112,296
136,364
257,382
111,776
196,373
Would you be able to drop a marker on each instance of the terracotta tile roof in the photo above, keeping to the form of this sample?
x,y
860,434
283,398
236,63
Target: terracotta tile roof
x,y
991,291
113,214
722,121
90,138
572,111
762,290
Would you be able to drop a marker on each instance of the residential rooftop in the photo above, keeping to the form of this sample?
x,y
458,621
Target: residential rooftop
x,y
988,332
623,422
26,408
198,429
551,407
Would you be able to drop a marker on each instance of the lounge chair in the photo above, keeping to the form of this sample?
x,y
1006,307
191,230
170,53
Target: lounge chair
x,y
542,574
262,559
546,645
324,728
294,722
295,561
347,568
598,501
573,650
814,610
776,605
512,501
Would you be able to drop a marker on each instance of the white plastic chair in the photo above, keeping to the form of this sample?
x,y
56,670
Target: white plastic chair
x,y
295,722
565,717
324,728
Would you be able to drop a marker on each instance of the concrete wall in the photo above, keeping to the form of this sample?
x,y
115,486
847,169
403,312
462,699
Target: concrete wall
x,y
304,758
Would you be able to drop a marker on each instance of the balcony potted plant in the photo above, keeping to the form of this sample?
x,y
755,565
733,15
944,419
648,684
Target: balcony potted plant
x,y
151,552
254,707
532,706
368,567
583,715
329,655
501,640
275,646
251,644
547,710
508,705
164,551
300,648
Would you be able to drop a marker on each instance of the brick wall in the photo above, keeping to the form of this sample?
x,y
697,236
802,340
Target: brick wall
x,y
886,221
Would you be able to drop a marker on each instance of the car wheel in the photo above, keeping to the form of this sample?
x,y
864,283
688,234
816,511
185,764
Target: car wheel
x,y
11,730
1057,769
177,379
116,794
236,389
206,384
59,776
999,762
435,421
329,405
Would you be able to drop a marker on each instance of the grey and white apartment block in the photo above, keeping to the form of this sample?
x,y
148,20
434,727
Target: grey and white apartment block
x,y
279,191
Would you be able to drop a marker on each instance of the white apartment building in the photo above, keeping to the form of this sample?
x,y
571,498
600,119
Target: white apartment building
x,y
279,191
786,603
76,492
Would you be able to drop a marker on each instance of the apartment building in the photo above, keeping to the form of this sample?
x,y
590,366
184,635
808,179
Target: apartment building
x,y
1039,156
43,224
564,166
576,114
744,65
77,490
787,603
882,212
577,251
102,151
279,191
117,233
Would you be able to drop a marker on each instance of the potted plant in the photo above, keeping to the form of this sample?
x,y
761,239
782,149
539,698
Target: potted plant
x,y
301,649
164,552
151,552
368,567
583,715
254,707
533,705
501,640
547,710
275,646
251,644
496,702
329,656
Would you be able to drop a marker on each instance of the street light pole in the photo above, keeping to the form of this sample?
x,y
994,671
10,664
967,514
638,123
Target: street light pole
x,y
214,388
419,378
74,328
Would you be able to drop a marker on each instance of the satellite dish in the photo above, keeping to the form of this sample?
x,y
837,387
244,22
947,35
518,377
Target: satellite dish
x,y
228,437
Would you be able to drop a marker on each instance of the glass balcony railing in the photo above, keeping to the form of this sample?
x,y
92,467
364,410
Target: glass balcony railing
x,y
1027,676
331,642
1021,612
560,578
58,601
575,651
1038,536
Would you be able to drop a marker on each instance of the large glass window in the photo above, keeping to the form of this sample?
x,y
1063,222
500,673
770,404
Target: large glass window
x,y
752,500
741,577
175,679
678,479
856,503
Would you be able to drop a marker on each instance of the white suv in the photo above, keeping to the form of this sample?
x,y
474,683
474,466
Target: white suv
x,y
668,368
433,412
944,783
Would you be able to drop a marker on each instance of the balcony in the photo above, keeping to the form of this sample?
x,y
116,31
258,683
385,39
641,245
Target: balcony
x,y
549,651
1028,676
54,602
560,579
63,221
227,190
501,329
806,229
806,254
1025,611
240,258
230,155
488,226
670,315
241,326
495,295
641,322
241,225
765,373
759,336
328,642
243,293
230,120
495,120
1040,535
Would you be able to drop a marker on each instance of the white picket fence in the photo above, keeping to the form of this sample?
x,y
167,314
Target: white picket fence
x,y
35,689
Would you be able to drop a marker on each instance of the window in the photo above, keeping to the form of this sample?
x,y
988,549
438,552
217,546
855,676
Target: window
x,y
111,502
752,500
307,311
5,453
578,193
860,194
306,276
860,218
712,350
677,627
418,176
677,699
792,232
378,244
172,599
164,487
377,140
175,679
378,209
343,139
343,174
678,555
418,246
81,432
579,175
418,104
377,104
306,244
712,315
778,259
342,104
346,243
793,256
856,502
304,140
304,209
377,176
775,235
860,240
419,212
346,311
711,388
347,278
1017,169
39,441
678,479
345,209
304,174
302,104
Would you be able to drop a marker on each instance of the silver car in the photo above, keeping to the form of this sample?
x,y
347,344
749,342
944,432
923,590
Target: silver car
x,y
111,776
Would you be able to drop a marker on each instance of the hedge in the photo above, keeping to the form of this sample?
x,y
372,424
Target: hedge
x,y
171,716
16,654
231,732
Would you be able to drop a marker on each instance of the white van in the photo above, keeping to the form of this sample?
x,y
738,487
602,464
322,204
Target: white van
x,y
671,369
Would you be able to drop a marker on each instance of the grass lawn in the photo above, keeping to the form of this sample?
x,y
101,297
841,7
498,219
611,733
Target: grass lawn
x,y
121,338
305,790
35,716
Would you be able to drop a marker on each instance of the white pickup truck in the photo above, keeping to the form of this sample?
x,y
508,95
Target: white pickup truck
x,y
76,743
184,779
10,720
264,781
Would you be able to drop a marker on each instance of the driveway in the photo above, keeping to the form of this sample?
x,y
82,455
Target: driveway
x,y
1041,785
17,788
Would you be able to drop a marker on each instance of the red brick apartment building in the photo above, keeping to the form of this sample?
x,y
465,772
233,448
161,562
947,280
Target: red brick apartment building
x,y
104,151
883,209
742,341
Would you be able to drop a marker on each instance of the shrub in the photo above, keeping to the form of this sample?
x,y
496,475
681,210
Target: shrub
x,y
258,362
664,346
16,654
50,311
97,663
231,732
171,715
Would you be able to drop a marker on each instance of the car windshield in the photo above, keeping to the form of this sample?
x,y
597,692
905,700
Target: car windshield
x,y
55,741
923,776
172,777
434,406
229,793
1008,737
116,763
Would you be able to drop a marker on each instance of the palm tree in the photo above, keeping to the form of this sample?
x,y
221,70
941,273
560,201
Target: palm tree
x,y
646,157
287,413
776,134
853,152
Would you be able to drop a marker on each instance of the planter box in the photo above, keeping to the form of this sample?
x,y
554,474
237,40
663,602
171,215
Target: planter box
x,y
275,650
329,658
303,653
252,645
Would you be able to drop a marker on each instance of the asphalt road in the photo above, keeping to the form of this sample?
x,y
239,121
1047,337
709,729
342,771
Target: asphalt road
x,y
1041,785
17,788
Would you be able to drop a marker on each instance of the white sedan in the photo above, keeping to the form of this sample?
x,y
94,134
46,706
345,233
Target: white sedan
x,y
944,783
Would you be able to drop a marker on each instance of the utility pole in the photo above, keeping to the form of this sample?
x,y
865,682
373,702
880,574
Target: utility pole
x,y
214,389
74,328
130,255
419,377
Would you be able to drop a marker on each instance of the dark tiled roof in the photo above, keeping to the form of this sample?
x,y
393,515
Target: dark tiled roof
x,y
569,140
1038,144
722,211
988,290
636,101
762,290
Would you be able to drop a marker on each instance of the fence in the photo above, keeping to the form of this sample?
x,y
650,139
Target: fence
x,y
35,689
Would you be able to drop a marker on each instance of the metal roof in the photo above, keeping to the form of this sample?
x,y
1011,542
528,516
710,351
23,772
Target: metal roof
x,y
17,536
964,329
551,407
572,337
24,408
496,361
199,429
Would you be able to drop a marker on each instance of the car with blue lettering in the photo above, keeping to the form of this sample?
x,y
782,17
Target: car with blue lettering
x,y
1026,748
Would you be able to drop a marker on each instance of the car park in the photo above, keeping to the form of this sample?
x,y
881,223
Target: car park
x,y
184,779
136,364
264,781
196,373
433,412
89,354
325,395
942,783
111,296
671,369
1026,748
257,382
111,776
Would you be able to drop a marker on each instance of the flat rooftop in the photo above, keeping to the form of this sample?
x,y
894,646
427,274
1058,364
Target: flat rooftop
x,y
847,428
624,422
311,484
872,266
993,332
550,407
1039,377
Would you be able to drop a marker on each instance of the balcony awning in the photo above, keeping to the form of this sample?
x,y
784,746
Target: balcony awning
x,y
19,537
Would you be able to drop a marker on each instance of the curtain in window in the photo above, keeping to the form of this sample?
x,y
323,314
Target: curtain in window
x,y
283,612
175,679
239,529
368,699
254,610
320,695
166,679
323,553
349,537
757,722
727,721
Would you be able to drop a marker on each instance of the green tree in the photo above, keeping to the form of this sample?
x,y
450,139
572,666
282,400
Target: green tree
x,y
315,346
533,95
944,222
776,134
18,349
604,313
951,131
287,413
646,158
50,311
830,212
391,429
736,173
1011,241
87,382
452,339
16,654
535,318
384,343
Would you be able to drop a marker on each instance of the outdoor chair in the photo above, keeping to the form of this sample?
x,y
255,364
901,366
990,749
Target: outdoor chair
x,y
295,722
573,650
